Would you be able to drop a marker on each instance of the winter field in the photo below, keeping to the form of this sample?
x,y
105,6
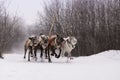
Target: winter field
x,y
103,66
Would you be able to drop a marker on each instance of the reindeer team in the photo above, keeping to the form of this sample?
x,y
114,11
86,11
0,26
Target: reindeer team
x,y
49,45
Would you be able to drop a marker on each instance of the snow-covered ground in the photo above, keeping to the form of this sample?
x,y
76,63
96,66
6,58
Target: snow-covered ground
x,y
102,66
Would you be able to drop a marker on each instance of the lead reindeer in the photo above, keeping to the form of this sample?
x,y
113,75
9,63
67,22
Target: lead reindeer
x,y
67,46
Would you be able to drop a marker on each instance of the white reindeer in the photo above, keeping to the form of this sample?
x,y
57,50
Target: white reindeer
x,y
68,45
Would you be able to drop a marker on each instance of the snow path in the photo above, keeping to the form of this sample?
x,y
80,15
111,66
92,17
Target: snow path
x,y
103,66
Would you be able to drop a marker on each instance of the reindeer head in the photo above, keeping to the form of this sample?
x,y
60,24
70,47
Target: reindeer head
x,y
73,40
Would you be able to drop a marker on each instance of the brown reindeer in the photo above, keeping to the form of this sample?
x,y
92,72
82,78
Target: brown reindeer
x,y
29,45
55,42
42,44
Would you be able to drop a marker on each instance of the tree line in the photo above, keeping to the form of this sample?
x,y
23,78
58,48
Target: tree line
x,y
95,23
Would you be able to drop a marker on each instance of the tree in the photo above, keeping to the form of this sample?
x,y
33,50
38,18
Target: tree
x,y
95,23
10,30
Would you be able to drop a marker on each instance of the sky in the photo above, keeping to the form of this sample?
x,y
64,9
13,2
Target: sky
x,y
27,9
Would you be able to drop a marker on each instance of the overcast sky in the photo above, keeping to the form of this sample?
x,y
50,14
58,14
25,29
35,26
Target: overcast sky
x,y
27,9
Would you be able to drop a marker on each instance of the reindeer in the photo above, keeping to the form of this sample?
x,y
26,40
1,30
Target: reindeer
x,y
67,46
55,42
42,44
29,45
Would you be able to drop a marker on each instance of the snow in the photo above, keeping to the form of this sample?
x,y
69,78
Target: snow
x,y
102,66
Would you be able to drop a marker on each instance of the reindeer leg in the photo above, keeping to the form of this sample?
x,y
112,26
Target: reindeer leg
x,y
29,56
35,53
30,52
46,56
53,51
68,57
59,53
49,59
25,53
41,55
